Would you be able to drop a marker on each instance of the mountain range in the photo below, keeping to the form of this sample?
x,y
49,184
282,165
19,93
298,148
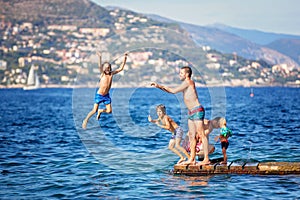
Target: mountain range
x,y
272,47
41,12
62,34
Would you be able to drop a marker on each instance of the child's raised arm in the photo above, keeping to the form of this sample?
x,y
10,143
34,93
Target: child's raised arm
x,y
100,62
122,65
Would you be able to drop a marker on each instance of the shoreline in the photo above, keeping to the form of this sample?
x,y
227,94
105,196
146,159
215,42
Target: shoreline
x,y
142,86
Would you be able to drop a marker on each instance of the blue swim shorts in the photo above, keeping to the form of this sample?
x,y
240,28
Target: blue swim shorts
x,y
102,99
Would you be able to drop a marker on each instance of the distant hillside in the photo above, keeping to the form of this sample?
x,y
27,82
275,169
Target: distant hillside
x,y
259,37
289,47
64,54
82,13
224,39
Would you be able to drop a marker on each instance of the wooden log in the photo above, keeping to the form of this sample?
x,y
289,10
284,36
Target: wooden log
x,y
222,168
236,167
251,168
193,168
209,169
279,168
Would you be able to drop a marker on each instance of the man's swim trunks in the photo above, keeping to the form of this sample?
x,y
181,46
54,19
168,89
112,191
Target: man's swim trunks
x,y
224,144
178,133
197,113
102,99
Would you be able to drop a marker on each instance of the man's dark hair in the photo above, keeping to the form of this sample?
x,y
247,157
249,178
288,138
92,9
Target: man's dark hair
x,y
188,70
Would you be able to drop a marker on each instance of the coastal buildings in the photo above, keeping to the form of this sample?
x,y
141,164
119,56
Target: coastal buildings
x,y
62,52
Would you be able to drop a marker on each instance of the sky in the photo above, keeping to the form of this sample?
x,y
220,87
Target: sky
x,y
276,16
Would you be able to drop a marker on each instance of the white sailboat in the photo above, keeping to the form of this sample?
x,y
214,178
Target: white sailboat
x,y
33,81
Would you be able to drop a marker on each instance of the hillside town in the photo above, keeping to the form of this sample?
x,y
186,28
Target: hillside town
x,y
61,53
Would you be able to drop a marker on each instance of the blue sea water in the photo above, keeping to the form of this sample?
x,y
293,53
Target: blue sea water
x,y
46,155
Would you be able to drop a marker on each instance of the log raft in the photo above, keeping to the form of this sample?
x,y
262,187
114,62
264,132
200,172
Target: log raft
x,y
262,168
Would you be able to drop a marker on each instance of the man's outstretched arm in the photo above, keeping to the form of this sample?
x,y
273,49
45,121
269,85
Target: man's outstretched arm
x,y
180,88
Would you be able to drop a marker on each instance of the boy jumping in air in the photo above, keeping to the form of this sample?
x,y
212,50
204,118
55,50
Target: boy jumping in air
x,y
102,93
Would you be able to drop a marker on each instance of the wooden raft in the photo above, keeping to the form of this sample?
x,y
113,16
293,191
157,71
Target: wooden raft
x,y
264,168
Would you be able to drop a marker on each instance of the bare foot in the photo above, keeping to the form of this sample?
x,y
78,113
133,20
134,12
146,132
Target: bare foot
x,y
189,162
223,162
181,160
204,163
98,115
84,122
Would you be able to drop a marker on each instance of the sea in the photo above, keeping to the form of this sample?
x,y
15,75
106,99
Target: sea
x,y
45,154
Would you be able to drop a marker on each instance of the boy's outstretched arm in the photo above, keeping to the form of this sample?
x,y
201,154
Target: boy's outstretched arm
x,y
122,65
151,120
100,62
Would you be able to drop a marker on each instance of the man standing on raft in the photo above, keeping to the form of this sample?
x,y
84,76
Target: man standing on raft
x,y
195,115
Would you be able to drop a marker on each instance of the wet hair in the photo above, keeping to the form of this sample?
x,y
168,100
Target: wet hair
x,y
106,64
220,121
162,108
188,70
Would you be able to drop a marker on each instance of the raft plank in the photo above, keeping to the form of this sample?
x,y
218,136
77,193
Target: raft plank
x,y
236,167
180,167
251,168
282,167
193,168
222,168
208,168
263,168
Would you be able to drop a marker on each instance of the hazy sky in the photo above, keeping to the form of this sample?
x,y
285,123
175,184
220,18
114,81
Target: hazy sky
x,y
278,16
